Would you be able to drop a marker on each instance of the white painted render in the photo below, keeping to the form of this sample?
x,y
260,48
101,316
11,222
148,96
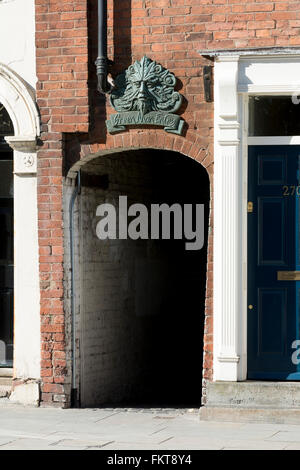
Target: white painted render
x,y
17,94
26,268
236,77
17,38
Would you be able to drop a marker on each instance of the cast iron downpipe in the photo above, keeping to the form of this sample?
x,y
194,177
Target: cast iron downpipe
x,y
101,63
76,192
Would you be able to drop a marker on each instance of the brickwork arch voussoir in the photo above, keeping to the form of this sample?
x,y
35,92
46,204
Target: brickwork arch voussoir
x,y
190,147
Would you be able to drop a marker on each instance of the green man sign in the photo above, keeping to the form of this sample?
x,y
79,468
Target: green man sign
x,y
144,95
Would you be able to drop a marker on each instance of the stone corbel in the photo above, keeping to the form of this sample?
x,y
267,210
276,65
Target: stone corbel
x,y
25,153
22,143
228,87
228,126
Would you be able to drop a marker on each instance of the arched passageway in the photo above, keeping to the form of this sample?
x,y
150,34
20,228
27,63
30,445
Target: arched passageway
x,y
141,301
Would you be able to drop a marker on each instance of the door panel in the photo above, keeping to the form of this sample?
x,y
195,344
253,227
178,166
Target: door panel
x,y
272,243
273,246
272,310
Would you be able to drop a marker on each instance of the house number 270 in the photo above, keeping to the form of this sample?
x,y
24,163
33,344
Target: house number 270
x,y
291,190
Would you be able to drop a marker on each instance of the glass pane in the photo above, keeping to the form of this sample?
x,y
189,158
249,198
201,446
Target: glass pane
x,y
273,115
6,261
6,327
6,153
6,179
6,239
6,126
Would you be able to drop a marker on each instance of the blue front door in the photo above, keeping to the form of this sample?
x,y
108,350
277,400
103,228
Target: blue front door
x,y
273,262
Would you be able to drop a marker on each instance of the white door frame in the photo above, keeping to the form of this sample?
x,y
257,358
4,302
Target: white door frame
x,y
236,77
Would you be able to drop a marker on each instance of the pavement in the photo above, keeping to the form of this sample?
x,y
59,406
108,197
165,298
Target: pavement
x,y
27,428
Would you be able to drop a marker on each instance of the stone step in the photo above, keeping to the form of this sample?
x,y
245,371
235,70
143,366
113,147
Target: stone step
x,y
250,415
6,381
6,372
252,401
5,391
254,394
6,377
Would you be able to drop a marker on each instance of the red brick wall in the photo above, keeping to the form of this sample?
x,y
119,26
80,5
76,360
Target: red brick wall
x,y
73,113
62,97
247,24
166,31
62,54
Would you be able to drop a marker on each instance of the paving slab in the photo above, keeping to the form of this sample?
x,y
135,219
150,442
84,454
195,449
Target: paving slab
x,y
135,429
6,440
286,436
254,445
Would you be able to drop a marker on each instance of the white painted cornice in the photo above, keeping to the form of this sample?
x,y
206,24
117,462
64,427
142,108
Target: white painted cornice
x,y
258,52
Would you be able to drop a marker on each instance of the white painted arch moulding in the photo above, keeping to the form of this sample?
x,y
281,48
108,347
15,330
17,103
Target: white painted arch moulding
x,y
18,98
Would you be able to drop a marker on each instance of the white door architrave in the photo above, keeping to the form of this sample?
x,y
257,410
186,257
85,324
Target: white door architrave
x,y
238,75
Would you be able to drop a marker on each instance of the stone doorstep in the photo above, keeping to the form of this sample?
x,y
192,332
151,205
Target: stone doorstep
x,y
5,381
250,415
6,372
5,391
254,394
6,377
256,401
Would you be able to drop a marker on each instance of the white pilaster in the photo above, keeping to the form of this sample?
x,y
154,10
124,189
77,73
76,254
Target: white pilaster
x,y
227,236
27,354
18,98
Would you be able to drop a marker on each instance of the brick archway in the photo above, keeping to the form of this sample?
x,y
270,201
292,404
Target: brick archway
x,y
55,368
156,140
190,146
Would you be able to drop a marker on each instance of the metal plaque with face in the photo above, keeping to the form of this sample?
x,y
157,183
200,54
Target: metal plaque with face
x,y
144,95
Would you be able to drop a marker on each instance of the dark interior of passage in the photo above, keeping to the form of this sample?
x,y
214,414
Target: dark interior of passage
x,y
142,338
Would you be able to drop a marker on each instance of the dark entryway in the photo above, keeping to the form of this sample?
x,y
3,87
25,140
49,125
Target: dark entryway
x,y
142,301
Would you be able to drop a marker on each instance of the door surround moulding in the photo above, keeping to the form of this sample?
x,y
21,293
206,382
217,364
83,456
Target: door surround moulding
x,y
237,75
18,98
